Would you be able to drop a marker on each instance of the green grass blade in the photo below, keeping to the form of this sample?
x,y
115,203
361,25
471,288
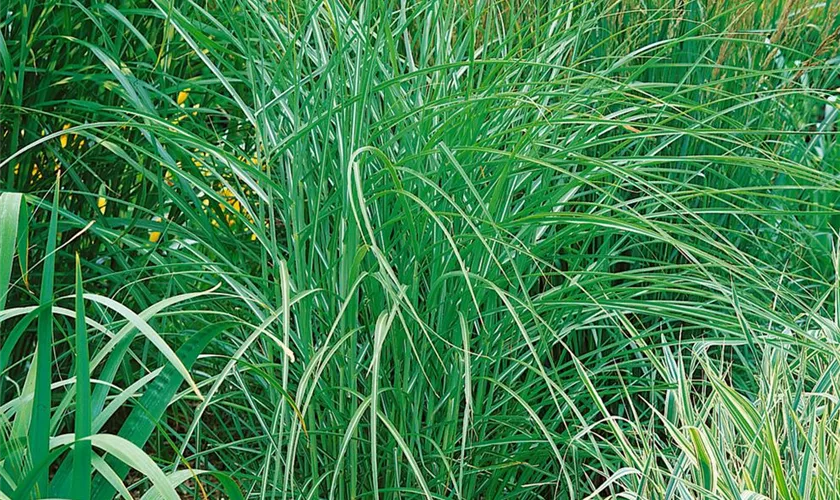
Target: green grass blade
x,y
705,460
10,204
82,448
39,431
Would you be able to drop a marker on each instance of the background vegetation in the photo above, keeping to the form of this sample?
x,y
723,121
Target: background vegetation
x,y
436,249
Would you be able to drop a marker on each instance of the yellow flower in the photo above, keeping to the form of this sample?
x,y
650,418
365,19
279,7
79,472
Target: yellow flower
x,y
63,138
182,96
101,202
154,236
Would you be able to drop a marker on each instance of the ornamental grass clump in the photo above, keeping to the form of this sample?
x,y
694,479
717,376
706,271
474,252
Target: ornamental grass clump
x,y
435,249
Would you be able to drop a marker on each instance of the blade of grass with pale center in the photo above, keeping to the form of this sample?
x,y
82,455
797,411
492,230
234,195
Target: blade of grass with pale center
x,y
9,214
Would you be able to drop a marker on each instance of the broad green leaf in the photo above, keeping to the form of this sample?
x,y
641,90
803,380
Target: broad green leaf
x,y
143,419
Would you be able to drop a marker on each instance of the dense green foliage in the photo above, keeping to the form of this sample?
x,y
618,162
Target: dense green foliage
x,y
435,249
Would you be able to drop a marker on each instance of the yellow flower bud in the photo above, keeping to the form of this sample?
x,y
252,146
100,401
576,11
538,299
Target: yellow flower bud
x,y
63,138
182,96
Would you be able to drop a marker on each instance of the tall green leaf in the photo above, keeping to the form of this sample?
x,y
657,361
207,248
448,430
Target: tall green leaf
x,y
82,447
39,431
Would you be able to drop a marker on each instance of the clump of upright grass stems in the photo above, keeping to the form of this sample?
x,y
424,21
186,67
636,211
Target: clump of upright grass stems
x,y
436,249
